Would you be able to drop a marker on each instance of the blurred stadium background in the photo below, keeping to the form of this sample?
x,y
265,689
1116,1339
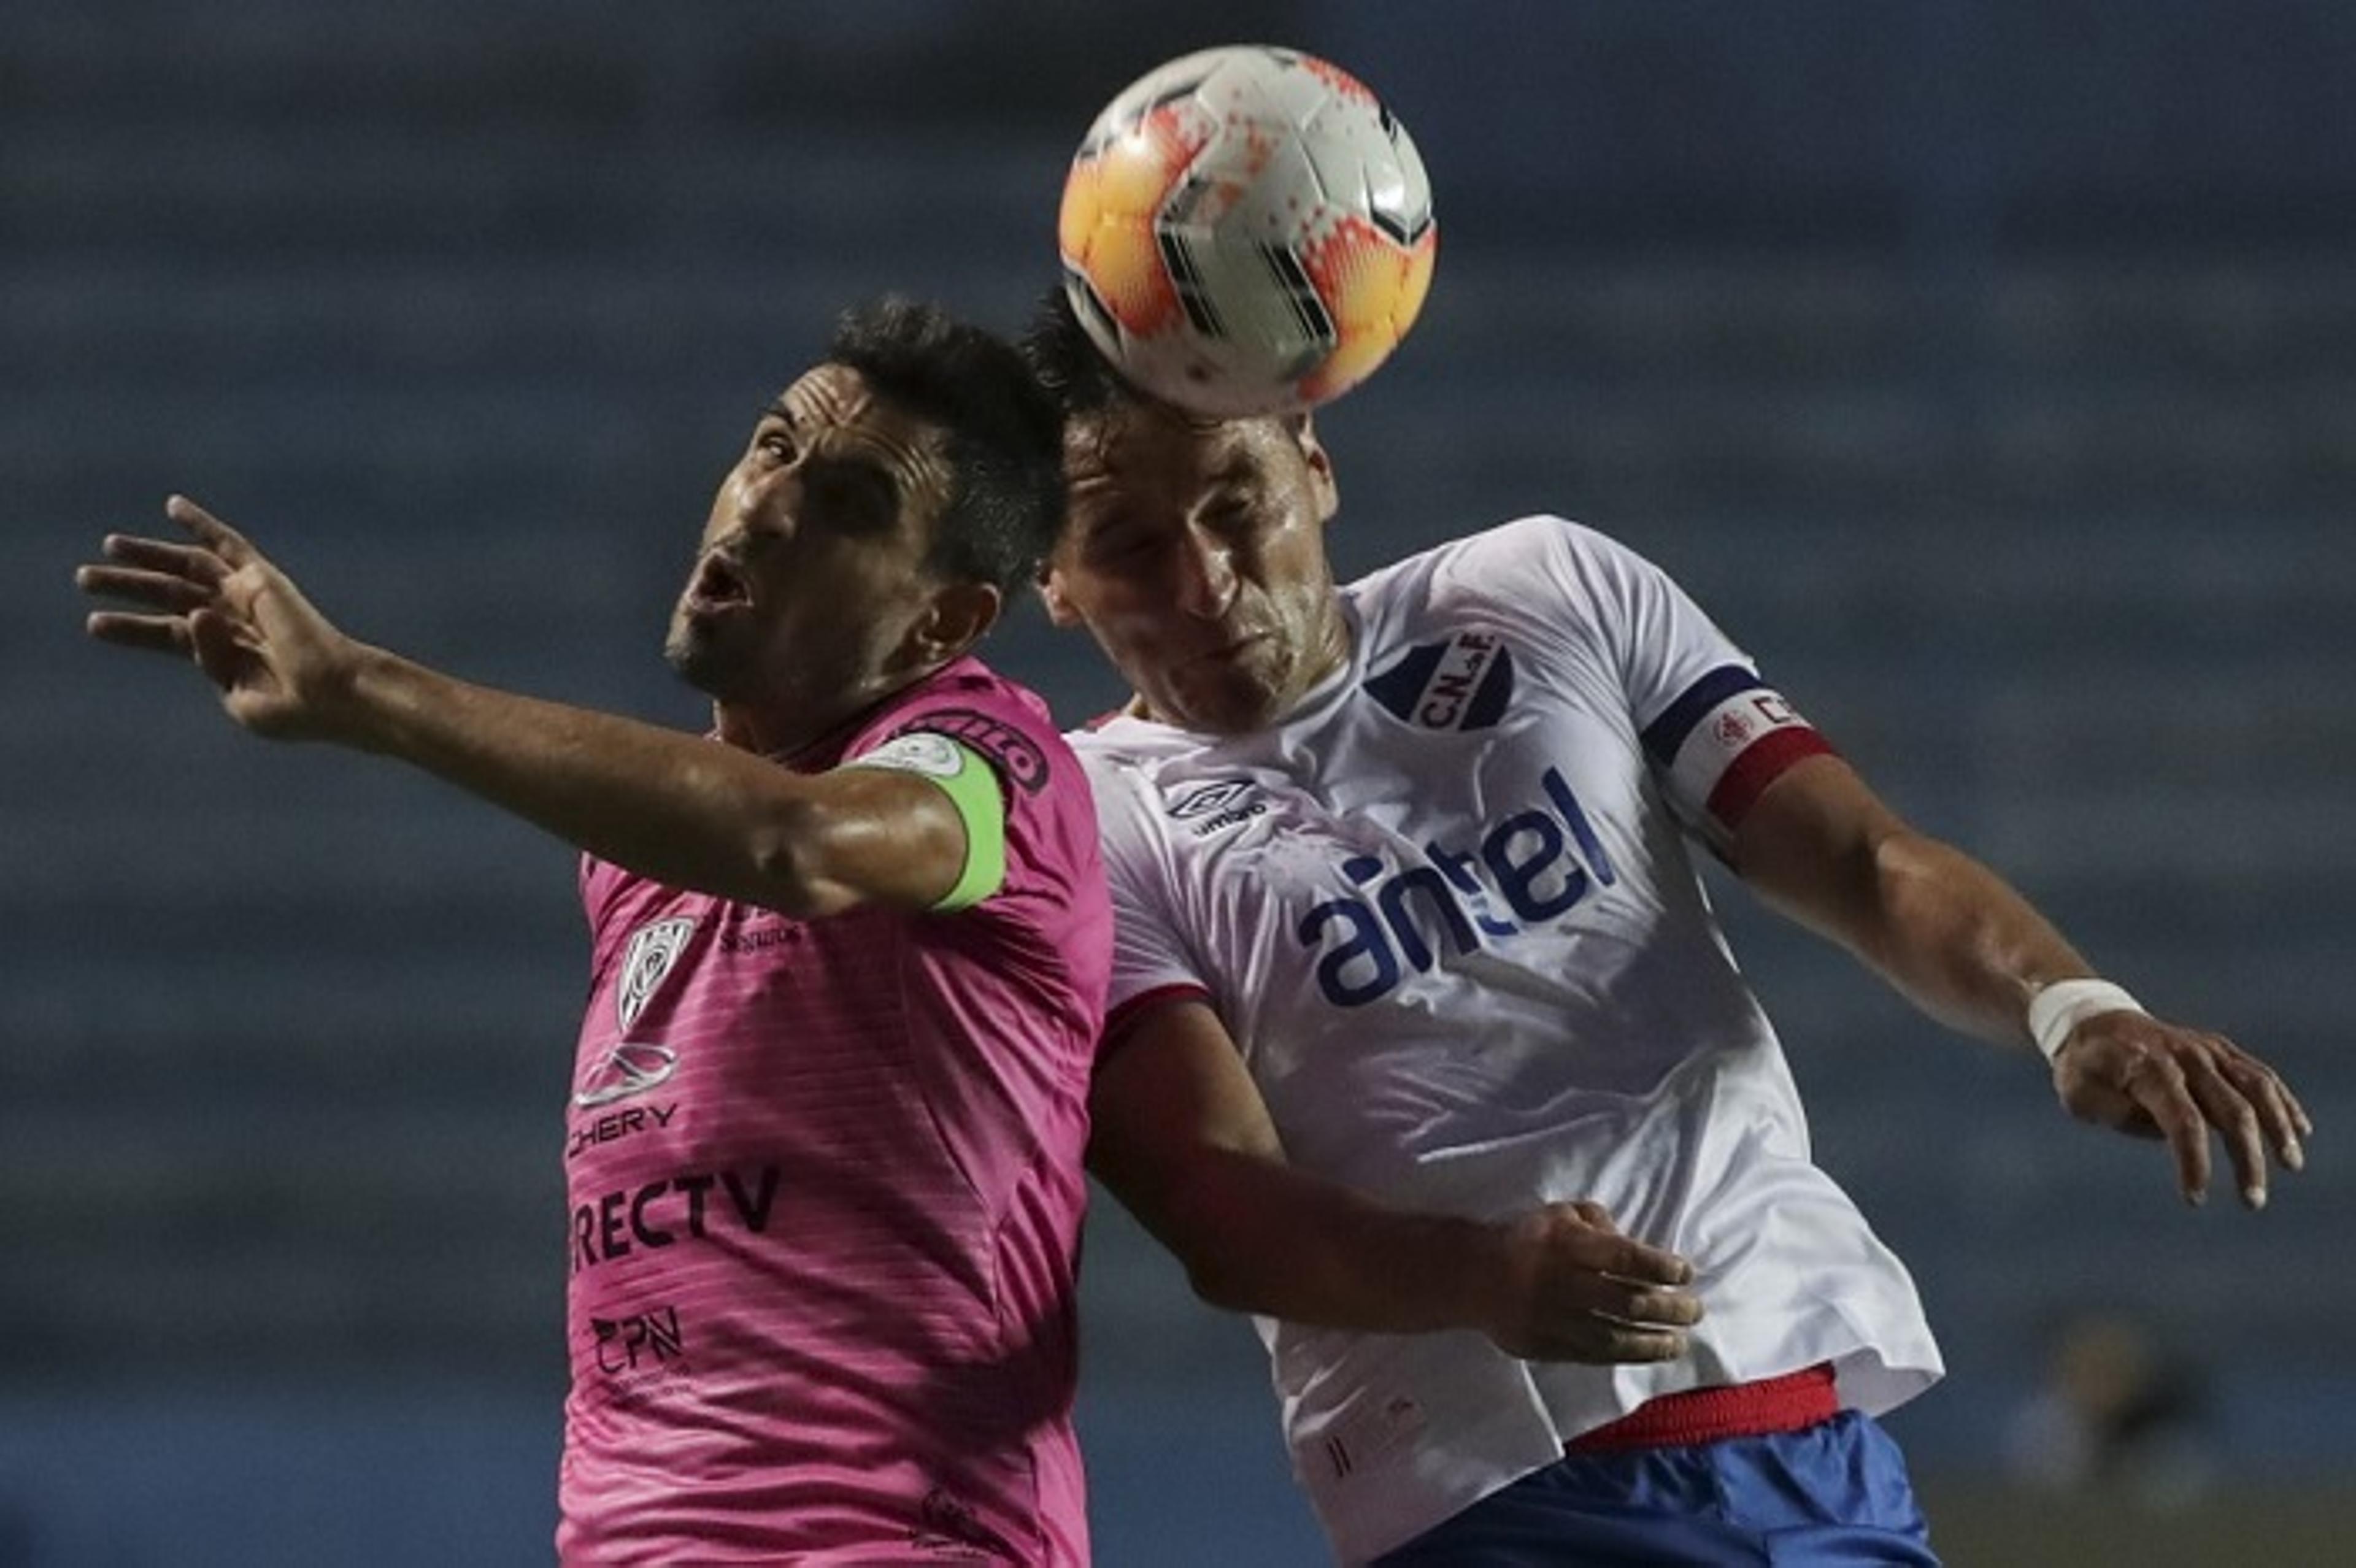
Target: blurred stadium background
x,y
1989,369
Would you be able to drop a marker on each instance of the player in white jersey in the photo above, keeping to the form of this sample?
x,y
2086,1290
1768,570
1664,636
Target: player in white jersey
x,y
1425,1047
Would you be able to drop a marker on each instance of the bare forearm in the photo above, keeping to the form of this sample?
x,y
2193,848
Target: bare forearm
x,y
669,807
1938,925
672,806
1954,937
1183,1138
1261,1236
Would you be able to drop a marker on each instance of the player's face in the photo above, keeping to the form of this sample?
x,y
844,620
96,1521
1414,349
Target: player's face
x,y
811,575
1195,554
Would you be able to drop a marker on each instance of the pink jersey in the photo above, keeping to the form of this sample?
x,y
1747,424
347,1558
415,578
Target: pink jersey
x,y
826,1190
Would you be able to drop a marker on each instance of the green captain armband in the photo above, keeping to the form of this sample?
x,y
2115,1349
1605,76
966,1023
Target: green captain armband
x,y
973,788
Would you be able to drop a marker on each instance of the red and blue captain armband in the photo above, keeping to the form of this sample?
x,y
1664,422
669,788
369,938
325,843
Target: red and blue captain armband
x,y
1722,742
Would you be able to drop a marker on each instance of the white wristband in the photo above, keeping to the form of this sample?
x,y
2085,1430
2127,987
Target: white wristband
x,y
2058,1008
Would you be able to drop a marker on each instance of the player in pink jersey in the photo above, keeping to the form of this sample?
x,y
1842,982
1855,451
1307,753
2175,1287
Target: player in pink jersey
x,y
850,956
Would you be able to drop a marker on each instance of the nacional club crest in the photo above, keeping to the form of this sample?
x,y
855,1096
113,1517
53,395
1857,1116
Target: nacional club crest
x,y
1463,683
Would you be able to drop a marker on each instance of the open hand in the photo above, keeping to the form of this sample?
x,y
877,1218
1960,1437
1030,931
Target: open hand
x,y
1572,1288
2140,1075
282,669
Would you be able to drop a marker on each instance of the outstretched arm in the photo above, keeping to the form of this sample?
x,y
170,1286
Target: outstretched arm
x,y
1967,949
679,809
1184,1140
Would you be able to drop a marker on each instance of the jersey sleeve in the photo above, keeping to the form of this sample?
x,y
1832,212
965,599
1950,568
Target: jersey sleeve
x,y
603,885
1714,732
1150,962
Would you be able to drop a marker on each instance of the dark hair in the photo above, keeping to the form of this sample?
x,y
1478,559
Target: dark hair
x,y
1067,362
1004,435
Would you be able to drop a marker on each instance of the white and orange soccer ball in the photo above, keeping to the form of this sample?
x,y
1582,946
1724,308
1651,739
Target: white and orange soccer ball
x,y
1247,230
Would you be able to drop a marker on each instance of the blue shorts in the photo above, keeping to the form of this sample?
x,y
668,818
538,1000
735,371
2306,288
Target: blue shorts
x,y
1833,1493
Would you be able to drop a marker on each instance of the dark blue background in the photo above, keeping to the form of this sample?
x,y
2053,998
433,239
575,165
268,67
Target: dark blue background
x,y
1988,369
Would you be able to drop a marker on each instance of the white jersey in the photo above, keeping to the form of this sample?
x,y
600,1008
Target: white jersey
x,y
1446,909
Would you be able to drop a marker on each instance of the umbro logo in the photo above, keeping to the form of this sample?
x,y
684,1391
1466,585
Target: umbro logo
x,y
1208,798
1207,808
1464,683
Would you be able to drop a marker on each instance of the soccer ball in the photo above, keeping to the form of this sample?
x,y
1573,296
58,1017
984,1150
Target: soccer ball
x,y
1246,231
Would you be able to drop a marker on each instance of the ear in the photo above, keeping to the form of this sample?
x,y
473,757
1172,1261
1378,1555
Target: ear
x,y
1320,466
1052,593
956,617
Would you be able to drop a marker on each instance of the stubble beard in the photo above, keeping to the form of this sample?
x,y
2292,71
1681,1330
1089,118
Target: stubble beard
x,y
704,661
1231,701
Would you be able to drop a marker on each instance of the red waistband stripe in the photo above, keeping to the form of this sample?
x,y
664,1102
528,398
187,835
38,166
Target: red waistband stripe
x,y
1787,1404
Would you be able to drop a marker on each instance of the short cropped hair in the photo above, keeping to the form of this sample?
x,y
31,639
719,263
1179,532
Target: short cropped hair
x,y
1067,362
1003,433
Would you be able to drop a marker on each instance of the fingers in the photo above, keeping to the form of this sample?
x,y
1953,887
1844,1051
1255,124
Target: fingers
x,y
2156,1086
195,564
1632,1259
2278,1109
2143,1075
1600,1337
217,537
220,647
1642,1309
1595,1339
1622,1301
1577,1289
157,633
1624,1257
159,590
169,583
2236,1122
1611,1344
1633,1323
2299,1114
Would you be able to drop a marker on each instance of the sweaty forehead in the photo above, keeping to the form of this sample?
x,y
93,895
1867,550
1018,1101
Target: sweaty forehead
x,y
837,414
1132,452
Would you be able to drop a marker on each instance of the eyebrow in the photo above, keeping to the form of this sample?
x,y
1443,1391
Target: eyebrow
x,y
862,467
866,469
1238,470
863,470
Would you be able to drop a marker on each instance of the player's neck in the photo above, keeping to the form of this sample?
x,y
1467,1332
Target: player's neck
x,y
1329,652
791,736
1324,653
